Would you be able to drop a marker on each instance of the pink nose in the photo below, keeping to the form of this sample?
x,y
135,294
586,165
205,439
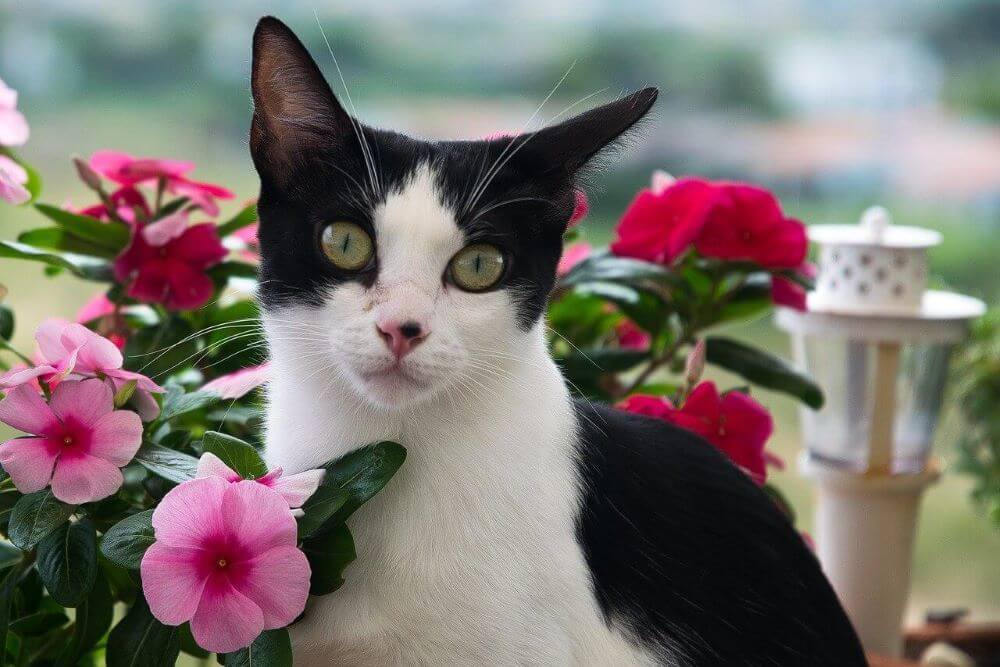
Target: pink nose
x,y
402,337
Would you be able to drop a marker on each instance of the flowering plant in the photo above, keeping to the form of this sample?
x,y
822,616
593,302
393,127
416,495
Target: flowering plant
x,y
135,478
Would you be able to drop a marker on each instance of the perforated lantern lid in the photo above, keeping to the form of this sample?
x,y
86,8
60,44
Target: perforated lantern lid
x,y
879,269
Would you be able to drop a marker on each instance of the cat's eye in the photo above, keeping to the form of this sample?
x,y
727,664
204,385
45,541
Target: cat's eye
x,y
477,267
347,245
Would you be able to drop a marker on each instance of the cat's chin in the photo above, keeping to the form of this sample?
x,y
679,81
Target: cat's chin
x,y
394,388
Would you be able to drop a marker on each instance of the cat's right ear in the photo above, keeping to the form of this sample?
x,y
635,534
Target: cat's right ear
x,y
295,112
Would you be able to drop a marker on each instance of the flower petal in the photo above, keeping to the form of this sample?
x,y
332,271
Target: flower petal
x,y
18,376
190,514
296,489
172,582
278,582
239,383
259,516
94,352
189,288
81,478
116,437
199,246
210,465
29,462
82,401
226,620
24,409
48,335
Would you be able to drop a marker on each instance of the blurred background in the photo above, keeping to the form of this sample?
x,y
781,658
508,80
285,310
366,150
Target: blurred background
x,y
835,106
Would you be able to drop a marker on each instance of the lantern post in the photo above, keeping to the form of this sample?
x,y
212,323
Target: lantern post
x,y
878,342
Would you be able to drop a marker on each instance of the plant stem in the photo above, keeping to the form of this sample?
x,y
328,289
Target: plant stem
x,y
10,348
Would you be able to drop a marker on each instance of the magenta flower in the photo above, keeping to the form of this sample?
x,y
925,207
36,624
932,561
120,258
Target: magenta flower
x,y
70,350
166,262
572,256
78,441
224,559
13,178
295,489
126,170
13,127
239,383
126,201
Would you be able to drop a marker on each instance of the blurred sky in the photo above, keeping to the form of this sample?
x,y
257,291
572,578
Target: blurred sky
x,y
835,105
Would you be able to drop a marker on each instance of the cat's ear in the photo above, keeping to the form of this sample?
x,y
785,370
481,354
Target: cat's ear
x,y
294,109
565,148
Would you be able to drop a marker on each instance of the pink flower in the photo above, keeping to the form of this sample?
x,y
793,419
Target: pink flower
x,y
734,422
79,441
98,306
295,489
631,337
239,383
785,292
13,127
572,256
224,559
746,222
126,170
581,207
126,200
250,249
166,262
13,178
70,350
663,221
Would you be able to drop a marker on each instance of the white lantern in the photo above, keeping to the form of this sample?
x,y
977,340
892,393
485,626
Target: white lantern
x,y
878,343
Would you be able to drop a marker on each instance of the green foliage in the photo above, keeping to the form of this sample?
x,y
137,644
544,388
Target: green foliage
x,y
35,516
140,640
238,455
329,554
67,562
763,369
125,543
169,464
977,377
272,648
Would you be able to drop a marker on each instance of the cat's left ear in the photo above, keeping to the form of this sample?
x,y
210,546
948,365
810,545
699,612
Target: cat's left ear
x,y
565,148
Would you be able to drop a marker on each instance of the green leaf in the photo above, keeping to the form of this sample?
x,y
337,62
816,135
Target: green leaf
x,y
88,268
763,369
220,273
350,482
125,542
246,217
123,395
171,207
35,516
167,463
139,640
178,402
329,554
6,322
67,562
188,644
38,623
91,620
112,235
8,583
9,555
596,361
607,267
238,455
58,238
272,648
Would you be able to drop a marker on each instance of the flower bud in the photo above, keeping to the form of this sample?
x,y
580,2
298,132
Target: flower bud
x,y
695,365
90,177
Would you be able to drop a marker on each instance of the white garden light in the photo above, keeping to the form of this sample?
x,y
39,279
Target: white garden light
x,y
878,343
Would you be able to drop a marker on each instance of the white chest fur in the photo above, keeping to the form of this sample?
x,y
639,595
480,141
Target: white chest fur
x,y
468,556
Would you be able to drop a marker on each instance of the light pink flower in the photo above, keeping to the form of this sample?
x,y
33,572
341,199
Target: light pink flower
x,y
98,306
572,256
13,127
239,383
70,350
124,169
295,489
13,178
79,441
200,194
224,559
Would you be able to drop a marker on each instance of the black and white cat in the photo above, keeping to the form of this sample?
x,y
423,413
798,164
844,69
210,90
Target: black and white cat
x,y
404,284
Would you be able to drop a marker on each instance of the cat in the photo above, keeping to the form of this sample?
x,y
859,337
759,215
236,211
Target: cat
x,y
403,286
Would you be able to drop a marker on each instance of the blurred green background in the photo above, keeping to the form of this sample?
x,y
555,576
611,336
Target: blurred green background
x,y
835,106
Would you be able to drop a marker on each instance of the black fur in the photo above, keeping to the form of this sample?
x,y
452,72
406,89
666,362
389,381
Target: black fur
x,y
689,554
314,170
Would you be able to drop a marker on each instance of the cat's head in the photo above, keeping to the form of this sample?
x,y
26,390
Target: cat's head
x,y
402,266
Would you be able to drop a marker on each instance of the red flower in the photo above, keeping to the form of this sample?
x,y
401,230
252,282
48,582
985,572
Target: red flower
x,y
631,337
733,422
746,222
659,225
785,292
166,262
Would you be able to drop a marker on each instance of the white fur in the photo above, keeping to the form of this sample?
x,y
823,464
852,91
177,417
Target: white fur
x,y
468,556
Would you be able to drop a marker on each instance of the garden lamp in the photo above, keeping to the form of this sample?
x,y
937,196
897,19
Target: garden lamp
x,y
878,342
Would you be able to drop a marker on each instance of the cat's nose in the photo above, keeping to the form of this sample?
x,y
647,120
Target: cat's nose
x,y
402,337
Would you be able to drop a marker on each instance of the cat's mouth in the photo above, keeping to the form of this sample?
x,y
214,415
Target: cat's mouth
x,y
395,375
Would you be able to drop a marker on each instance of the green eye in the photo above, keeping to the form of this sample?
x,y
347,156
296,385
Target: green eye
x,y
477,267
347,245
